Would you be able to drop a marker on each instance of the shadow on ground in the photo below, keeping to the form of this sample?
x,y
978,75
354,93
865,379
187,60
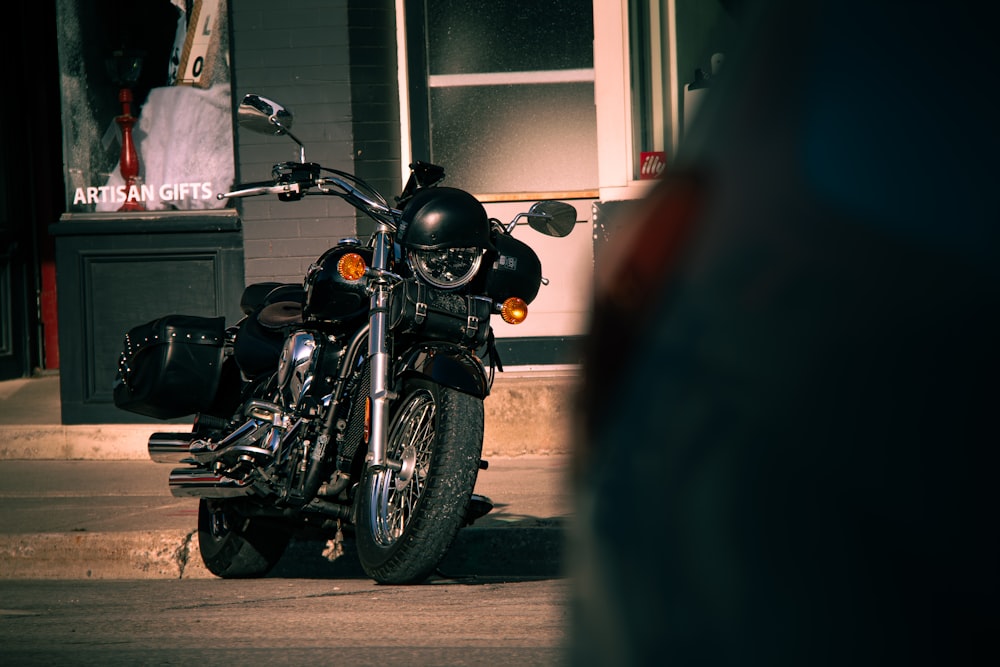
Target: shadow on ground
x,y
507,548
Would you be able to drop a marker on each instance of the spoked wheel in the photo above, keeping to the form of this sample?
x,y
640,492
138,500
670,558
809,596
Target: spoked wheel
x,y
234,546
409,518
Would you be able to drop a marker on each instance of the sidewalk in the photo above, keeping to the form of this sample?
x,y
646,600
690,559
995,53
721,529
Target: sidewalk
x,y
527,412
99,511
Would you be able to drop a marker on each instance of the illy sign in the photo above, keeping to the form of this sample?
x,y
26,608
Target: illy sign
x,y
652,164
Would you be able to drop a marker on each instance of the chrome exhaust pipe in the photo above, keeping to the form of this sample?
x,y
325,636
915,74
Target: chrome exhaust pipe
x,y
170,447
196,482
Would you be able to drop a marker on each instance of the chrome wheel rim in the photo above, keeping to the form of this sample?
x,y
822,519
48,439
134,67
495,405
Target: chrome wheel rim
x,y
395,494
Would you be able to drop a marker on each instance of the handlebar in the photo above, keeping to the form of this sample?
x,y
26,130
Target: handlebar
x,y
293,180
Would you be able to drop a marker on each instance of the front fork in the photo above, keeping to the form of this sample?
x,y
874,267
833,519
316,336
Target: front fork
x,y
378,355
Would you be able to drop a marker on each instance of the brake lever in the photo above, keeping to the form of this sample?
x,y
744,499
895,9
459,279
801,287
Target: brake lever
x,y
291,190
291,180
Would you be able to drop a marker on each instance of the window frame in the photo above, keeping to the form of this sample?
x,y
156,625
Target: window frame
x,y
617,122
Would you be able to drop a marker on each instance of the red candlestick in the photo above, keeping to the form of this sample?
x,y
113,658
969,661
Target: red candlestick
x,y
130,158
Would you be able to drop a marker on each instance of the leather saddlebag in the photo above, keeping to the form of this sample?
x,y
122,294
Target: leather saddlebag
x,y
170,367
439,315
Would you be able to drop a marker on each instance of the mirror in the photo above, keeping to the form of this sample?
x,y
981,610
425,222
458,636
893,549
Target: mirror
x,y
552,218
262,115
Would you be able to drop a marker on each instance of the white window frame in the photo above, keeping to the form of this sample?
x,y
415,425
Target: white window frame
x,y
405,145
612,89
616,152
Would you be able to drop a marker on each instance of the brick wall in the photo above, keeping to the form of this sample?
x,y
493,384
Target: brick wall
x,y
298,55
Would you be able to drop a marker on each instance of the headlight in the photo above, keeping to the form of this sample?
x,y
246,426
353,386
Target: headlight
x,y
446,268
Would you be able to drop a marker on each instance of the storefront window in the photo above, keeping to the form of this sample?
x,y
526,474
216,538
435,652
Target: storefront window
x,y
705,32
154,75
502,93
676,47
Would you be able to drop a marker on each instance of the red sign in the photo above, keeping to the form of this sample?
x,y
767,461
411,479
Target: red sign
x,y
652,164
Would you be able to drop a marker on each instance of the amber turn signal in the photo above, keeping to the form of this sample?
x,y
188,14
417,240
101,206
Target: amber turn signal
x,y
351,266
514,310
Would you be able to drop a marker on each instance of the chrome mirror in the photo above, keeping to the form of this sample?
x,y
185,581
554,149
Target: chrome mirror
x,y
259,114
552,218
262,115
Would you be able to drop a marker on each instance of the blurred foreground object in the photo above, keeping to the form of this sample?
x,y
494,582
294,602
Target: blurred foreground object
x,y
788,434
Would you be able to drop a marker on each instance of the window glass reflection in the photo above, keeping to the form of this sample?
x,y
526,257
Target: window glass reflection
x,y
525,138
509,35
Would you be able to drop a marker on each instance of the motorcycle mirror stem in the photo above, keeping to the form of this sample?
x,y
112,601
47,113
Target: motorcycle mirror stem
x,y
302,148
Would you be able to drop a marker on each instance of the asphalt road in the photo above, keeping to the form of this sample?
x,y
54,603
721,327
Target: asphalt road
x,y
286,621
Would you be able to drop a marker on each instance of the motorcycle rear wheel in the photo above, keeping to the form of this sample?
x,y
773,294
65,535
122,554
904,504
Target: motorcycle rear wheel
x,y
409,518
234,546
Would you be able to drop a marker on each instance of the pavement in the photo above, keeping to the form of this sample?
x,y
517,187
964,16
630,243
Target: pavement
x,y
77,504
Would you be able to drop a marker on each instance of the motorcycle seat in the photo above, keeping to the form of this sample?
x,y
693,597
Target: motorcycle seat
x,y
280,314
259,341
259,294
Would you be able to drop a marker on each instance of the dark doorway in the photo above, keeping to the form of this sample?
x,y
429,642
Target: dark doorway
x,y
31,191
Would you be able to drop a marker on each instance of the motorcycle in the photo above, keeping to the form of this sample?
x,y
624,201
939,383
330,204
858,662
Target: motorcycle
x,y
352,401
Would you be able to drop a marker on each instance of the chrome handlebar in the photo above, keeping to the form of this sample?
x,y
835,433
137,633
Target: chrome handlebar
x,y
327,185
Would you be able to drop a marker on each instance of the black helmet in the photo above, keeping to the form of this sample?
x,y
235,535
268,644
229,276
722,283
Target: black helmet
x,y
441,217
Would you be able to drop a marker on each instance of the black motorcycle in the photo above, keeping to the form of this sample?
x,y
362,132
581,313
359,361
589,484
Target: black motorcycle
x,y
354,400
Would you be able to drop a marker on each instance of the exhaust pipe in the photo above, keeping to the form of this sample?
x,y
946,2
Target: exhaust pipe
x,y
170,447
197,482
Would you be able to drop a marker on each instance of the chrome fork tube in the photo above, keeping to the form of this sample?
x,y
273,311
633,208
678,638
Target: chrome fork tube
x,y
378,354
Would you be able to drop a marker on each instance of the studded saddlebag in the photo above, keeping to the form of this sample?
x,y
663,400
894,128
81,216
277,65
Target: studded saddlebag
x,y
170,367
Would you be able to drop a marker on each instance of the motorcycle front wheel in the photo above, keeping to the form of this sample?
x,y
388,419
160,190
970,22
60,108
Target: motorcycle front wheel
x,y
408,518
234,546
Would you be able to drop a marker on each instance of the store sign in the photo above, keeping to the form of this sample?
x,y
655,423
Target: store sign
x,y
167,194
147,105
652,164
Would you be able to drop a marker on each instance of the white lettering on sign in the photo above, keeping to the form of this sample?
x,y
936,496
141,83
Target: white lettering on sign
x,y
168,192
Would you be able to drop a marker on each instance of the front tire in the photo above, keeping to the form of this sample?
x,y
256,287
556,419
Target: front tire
x,y
408,519
234,546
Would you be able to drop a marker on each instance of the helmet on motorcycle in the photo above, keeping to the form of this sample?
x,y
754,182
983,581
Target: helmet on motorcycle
x,y
441,217
445,232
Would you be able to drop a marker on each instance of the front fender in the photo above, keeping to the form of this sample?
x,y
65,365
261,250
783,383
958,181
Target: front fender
x,y
446,364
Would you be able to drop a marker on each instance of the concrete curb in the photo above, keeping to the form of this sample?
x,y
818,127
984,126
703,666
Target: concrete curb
x,y
119,555
534,551
97,442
